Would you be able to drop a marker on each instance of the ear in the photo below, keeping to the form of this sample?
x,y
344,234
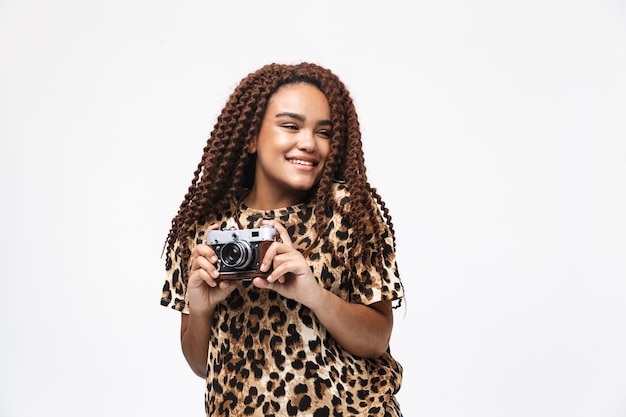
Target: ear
x,y
252,147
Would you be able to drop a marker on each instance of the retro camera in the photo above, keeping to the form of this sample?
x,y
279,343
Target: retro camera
x,y
240,251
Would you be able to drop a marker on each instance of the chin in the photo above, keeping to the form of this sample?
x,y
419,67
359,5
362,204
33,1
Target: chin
x,y
302,184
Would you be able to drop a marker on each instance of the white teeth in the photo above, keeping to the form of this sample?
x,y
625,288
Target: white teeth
x,y
299,162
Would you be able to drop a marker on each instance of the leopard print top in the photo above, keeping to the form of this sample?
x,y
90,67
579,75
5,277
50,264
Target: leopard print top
x,y
269,356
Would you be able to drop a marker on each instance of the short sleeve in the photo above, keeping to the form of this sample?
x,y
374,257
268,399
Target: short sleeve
x,y
371,283
174,290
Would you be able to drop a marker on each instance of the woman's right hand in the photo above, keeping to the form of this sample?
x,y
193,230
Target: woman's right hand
x,y
204,290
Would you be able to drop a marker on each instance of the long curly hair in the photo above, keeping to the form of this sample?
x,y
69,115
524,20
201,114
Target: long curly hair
x,y
226,167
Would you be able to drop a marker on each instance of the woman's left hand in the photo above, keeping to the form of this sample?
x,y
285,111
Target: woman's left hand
x,y
291,276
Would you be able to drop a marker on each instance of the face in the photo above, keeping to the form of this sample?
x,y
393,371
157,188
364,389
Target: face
x,y
293,144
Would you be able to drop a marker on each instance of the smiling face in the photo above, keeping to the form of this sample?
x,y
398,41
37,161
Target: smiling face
x,y
292,146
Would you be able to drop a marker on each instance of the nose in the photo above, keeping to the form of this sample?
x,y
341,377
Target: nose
x,y
307,140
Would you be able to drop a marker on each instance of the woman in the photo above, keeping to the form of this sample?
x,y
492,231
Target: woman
x,y
309,334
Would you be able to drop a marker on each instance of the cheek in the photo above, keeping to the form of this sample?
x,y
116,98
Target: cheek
x,y
324,149
275,139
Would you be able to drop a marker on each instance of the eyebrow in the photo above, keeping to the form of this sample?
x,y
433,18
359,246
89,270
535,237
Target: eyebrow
x,y
300,118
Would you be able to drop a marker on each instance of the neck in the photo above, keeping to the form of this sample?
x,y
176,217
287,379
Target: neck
x,y
259,200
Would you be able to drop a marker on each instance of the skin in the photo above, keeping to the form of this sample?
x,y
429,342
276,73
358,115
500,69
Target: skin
x,y
292,148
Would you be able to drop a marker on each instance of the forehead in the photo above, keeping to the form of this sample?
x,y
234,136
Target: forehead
x,y
299,97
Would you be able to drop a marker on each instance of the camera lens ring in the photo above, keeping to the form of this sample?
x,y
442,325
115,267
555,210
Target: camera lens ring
x,y
237,255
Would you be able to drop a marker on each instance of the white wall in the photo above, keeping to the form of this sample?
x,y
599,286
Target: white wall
x,y
496,131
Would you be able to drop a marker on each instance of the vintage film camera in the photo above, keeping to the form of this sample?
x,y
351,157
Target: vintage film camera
x,y
240,251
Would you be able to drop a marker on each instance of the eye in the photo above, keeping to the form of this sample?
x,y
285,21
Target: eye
x,y
290,126
325,133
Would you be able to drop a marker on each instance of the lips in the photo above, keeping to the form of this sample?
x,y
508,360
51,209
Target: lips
x,y
305,162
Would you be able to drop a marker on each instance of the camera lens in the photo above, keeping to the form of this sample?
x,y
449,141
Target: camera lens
x,y
237,255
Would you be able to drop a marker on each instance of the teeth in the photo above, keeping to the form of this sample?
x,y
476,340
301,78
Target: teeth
x,y
299,162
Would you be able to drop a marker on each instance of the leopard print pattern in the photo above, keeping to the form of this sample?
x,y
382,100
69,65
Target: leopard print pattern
x,y
269,356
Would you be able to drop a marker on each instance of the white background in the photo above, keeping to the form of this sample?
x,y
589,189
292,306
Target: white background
x,y
495,131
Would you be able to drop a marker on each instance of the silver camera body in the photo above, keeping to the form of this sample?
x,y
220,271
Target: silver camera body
x,y
240,251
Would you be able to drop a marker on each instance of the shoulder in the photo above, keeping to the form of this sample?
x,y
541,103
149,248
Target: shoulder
x,y
367,210
340,193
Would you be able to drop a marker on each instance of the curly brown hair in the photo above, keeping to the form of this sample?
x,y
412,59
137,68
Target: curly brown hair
x,y
227,168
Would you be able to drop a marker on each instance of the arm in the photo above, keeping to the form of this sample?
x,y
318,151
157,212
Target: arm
x,y
362,330
203,294
194,340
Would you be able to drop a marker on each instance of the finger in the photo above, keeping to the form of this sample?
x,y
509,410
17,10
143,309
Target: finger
x,y
204,250
200,277
213,226
276,278
227,284
279,273
207,270
283,235
269,258
263,283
